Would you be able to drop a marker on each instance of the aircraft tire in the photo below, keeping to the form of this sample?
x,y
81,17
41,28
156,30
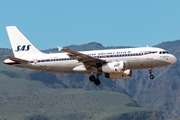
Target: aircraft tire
x,y
92,78
152,76
97,82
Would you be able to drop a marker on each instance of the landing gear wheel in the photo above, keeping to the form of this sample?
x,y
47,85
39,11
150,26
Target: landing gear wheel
x,y
92,78
151,76
150,72
97,82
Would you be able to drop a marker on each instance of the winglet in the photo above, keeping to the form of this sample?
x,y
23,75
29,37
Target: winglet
x,y
59,48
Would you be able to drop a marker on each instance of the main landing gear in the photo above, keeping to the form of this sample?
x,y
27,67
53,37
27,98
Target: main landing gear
x,y
150,72
94,79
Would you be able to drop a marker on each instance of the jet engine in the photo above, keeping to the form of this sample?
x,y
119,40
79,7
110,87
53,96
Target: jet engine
x,y
114,67
125,74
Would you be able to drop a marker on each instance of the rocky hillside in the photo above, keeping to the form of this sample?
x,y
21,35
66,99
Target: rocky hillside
x,y
35,95
162,93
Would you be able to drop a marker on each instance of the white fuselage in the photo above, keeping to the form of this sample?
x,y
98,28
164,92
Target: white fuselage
x,y
135,58
113,63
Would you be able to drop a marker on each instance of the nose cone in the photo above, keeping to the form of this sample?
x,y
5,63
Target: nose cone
x,y
172,59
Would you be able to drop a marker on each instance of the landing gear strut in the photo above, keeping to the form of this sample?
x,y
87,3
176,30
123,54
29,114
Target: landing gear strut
x,y
94,79
150,72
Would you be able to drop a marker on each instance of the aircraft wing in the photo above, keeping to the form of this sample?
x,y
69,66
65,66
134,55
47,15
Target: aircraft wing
x,y
88,61
16,59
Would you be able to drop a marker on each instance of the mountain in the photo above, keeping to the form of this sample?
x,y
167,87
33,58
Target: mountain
x,y
31,93
162,93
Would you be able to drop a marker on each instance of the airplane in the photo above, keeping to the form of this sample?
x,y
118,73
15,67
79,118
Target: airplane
x,y
112,63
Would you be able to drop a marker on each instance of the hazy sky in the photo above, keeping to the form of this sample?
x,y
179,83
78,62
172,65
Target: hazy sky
x,y
48,24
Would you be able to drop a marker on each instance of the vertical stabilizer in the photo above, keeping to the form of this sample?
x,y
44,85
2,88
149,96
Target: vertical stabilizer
x,y
20,44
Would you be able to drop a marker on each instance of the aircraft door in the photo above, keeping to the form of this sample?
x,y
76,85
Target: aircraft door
x,y
149,57
42,61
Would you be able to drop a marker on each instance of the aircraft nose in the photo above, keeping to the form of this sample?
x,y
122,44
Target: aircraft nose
x,y
173,59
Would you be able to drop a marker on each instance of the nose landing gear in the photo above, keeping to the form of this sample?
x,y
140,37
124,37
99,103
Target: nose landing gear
x,y
150,72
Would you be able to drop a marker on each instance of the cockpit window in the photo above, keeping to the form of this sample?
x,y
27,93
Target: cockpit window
x,y
163,52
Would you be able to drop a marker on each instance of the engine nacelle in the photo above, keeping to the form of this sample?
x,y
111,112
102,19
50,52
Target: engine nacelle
x,y
114,67
126,74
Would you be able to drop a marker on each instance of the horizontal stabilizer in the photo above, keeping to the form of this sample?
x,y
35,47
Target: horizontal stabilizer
x,y
16,59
